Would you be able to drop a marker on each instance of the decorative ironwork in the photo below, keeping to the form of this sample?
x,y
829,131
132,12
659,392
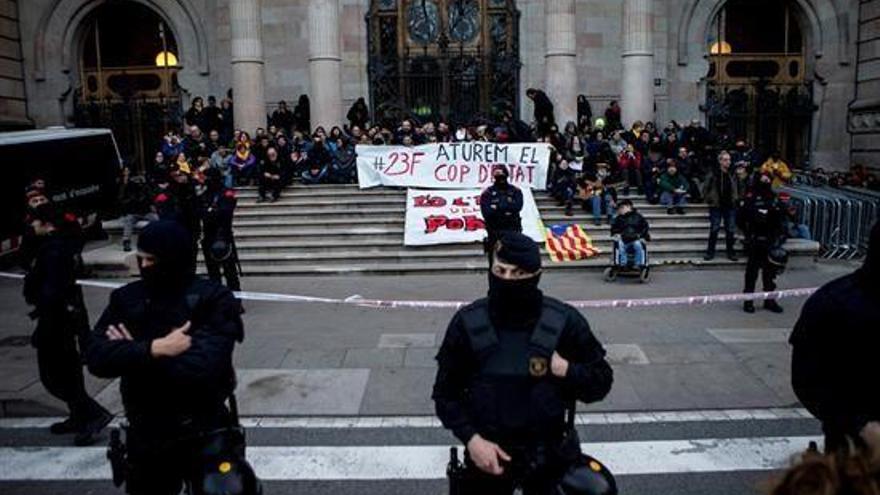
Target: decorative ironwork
x,y
773,117
462,67
138,120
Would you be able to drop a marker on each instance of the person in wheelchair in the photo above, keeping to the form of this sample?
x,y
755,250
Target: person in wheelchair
x,y
630,232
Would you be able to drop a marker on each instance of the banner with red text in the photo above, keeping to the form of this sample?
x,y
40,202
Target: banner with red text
x,y
452,165
453,216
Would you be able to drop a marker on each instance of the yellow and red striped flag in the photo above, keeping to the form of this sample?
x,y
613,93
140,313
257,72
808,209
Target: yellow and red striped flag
x,y
569,242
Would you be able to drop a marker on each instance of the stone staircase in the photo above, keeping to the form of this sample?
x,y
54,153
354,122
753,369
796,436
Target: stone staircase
x,y
344,230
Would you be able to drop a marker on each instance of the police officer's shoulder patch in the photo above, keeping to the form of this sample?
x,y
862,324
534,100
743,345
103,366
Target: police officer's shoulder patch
x,y
538,366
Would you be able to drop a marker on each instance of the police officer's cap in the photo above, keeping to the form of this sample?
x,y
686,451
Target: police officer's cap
x,y
520,250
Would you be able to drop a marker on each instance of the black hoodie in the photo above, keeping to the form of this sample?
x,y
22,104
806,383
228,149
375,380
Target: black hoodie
x,y
835,344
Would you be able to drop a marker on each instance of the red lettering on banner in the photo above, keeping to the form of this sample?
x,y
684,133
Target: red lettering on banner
x,y
468,223
429,201
437,173
460,202
473,222
484,173
465,170
403,159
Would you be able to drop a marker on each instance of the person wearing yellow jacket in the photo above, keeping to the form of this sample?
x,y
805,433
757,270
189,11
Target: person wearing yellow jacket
x,y
777,169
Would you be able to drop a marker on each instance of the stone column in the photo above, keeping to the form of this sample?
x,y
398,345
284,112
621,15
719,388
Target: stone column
x,y
248,85
637,89
325,63
559,68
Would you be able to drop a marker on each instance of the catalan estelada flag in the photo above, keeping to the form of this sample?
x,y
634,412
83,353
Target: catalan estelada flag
x,y
569,242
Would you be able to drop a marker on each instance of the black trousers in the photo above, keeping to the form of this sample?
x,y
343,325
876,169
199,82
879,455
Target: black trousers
x,y
270,186
159,472
217,270
61,370
758,262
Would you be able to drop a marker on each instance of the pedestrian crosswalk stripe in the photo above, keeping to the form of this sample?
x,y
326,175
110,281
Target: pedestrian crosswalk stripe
x,y
425,462
380,422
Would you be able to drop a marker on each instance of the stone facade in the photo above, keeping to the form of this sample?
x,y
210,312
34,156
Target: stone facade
x,y
864,118
678,30
13,98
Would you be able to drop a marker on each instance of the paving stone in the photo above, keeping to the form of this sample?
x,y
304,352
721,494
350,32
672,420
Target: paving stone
x,y
420,358
395,340
264,392
625,354
373,358
750,335
399,391
326,358
688,353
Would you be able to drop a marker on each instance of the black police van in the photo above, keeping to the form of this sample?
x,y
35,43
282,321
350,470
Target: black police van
x,y
80,168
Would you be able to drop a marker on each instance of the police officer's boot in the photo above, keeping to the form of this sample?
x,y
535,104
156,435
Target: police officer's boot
x,y
126,245
749,306
772,306
65,427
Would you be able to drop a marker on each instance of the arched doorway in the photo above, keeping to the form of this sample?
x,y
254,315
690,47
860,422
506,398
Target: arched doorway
x,y
128,68
758,88
451,59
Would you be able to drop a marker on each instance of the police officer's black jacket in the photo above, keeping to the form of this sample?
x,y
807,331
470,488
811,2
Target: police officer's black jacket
x,y
519,409
160,394
762,220
501,208
218,208
50,285
835,344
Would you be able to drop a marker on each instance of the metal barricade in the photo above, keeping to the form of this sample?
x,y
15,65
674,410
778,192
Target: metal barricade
x,y
840,219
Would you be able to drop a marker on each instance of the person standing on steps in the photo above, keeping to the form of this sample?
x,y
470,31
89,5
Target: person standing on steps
x,y
721,193
500,204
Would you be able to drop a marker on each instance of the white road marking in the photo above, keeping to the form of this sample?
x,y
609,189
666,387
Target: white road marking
x,y
626,354
385,422
426,462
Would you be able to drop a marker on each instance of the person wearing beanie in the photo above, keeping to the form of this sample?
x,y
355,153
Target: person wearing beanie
x,y
833,365
761,220
169,337
50,286
510,367
500,204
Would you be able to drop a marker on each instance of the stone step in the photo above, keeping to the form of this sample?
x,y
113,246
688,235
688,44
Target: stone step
x,y
655,219
360,209
306,246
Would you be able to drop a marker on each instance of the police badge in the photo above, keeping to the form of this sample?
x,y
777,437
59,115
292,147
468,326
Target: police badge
x,y
538,366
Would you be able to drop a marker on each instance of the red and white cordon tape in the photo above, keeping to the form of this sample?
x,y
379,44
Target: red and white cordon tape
x,y
357,300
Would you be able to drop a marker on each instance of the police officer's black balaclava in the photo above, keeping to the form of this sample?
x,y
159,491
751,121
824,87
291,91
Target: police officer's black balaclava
x,y
171,244
500,179
870,271
516,301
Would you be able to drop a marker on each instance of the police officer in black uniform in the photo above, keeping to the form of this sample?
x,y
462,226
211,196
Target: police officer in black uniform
x,y
510,367
50,286
834,352
762,221
170,337
500,204
218,242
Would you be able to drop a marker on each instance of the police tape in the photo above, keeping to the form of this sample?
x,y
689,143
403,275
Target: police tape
x,y
357,300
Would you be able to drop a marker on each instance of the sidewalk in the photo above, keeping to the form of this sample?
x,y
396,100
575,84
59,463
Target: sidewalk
x,y
313,359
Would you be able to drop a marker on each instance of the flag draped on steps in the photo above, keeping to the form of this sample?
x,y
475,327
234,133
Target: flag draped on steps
x,y
569,242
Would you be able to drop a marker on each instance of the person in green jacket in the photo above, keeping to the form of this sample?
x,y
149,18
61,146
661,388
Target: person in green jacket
x,y
673,189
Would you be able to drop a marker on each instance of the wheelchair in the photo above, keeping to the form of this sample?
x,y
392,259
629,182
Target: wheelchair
x,y
629,269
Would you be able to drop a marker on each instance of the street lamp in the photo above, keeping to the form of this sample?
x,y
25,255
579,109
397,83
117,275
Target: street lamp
x,y
166,59
720,48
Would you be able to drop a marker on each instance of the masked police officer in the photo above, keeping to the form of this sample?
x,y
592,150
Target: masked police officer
x,y
834,347
50,286
510,367
170,337
500,204
218,243
761,220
